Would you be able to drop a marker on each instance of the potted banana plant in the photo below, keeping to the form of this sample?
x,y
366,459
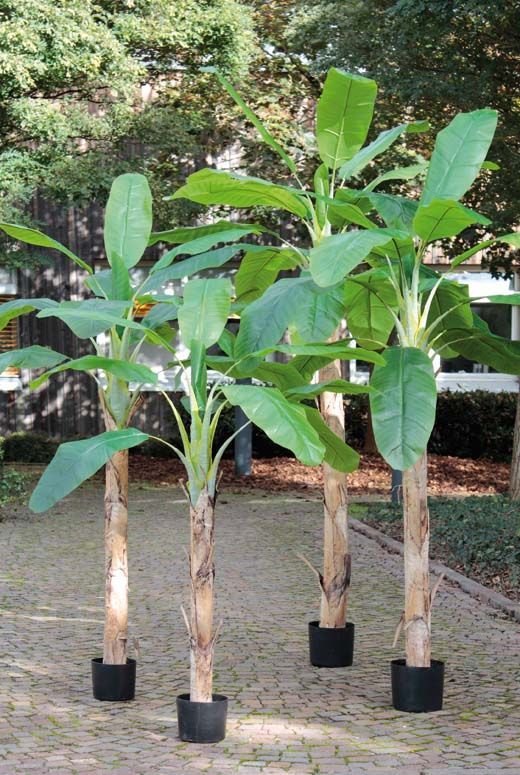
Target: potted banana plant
x,y
309,312
430,314
111,310
279,408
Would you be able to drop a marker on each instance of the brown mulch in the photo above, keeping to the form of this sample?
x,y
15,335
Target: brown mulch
x,y
447,475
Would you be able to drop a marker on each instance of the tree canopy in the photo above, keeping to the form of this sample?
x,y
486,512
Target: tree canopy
x,y
431,59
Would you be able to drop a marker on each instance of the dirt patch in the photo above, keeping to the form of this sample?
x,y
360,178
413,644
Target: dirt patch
x,y
447,475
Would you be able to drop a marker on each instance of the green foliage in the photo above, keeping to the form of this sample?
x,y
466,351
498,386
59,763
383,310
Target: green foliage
x,y
478,535
76,461
58,59
476,424
13,486
445,57
29,447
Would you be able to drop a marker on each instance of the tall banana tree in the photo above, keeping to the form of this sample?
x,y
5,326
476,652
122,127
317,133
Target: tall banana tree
x,y
112,310
299,304
430,314
281,410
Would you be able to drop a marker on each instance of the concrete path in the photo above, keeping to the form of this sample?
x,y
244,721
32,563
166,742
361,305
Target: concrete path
x,y
285,716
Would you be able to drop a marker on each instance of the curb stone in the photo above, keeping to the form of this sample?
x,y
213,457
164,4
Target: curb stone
x,y
473,588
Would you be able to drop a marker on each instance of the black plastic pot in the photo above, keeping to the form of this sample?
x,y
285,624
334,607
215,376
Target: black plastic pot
x,y
113,683
417,689
202,722
331,646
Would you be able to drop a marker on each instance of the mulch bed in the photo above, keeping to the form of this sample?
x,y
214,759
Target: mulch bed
x,y
447,475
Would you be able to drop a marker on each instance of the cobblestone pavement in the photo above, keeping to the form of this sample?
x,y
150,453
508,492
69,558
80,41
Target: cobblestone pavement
x,y
285,716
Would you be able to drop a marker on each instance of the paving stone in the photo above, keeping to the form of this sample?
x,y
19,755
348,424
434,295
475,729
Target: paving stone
x,y
285,717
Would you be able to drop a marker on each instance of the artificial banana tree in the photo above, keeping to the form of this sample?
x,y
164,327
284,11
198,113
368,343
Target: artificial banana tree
x,y
280,410
115,302
299,304
429,313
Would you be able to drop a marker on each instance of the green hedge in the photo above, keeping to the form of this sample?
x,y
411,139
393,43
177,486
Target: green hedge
x,y
474,424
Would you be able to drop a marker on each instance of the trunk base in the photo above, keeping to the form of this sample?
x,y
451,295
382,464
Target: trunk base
x,y
417,689
113,683
202,722
331,646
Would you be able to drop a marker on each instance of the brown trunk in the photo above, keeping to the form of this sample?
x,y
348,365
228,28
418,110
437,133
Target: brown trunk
x,y
336,558
202,572
116,570
416,565
514,484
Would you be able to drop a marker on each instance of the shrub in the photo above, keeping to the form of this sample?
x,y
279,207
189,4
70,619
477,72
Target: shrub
x,y
25,447
474,424
13,485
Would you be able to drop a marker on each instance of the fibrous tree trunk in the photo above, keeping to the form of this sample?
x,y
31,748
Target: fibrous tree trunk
x,y
416,565
202,574
514,484
116,556
336,558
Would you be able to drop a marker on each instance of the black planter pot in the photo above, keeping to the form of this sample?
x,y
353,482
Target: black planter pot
x,y
331,646
114,683
202,722
417,689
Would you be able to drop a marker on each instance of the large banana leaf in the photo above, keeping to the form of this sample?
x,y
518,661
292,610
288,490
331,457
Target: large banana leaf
x,y
35,237
91,317
214,187
248,113
319,317
338,455
377,147
403,405
343,116
513,240
130,372
396,211
338,255
199,245
368,297
189,266
128,218
205,309
460,150
400,173
451,307
264,321
282,375
331,350
16,307
34,357
161,313
331,386
76,461
479,344
444,218
259,269
284,422
190,233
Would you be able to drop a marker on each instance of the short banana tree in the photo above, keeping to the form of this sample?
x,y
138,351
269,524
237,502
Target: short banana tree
x,y
115,303
430,314
298,304
280,409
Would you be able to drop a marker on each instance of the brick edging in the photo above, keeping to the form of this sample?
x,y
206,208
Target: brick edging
x,y
469,586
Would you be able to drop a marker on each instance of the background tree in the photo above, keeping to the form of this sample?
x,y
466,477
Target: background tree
x,y
431,60
72,110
